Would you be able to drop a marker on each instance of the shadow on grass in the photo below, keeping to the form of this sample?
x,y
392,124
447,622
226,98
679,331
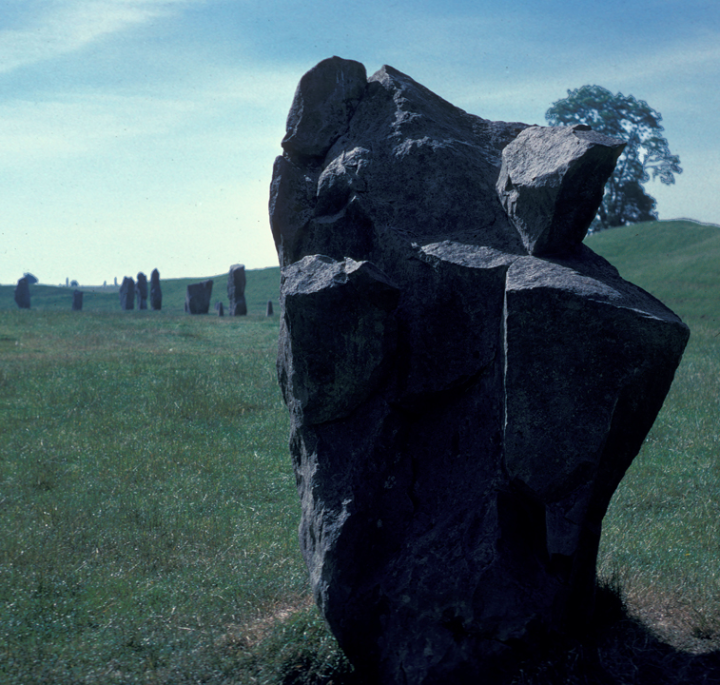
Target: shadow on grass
x,y
618,650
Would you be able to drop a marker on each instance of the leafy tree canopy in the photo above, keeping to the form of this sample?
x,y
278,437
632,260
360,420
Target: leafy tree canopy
x,y
645,156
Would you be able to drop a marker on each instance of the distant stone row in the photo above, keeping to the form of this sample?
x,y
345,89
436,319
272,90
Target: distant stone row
x,y
197,298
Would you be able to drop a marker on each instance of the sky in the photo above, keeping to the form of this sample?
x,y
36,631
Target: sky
x,y
141,134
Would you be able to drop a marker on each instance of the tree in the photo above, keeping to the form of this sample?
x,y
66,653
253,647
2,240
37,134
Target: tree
x,y
645,156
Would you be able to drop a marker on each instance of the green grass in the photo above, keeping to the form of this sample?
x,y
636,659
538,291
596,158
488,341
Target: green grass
x,y
661,536
149,512
677,261
146,495
262,285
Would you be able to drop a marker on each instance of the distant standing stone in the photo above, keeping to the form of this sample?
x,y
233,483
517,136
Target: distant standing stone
x,y
269,311
155,290
127,294
77,301
236,290
219,309
22,293
141,290
197,300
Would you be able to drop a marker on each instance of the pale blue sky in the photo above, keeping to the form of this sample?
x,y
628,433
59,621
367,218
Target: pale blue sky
x,y
140,134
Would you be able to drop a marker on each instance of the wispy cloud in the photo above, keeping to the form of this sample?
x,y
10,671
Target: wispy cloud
x,y
70,25
676,61
228,103
655,77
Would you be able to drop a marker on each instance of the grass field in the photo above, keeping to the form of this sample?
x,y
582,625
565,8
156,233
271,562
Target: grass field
x,y
149,514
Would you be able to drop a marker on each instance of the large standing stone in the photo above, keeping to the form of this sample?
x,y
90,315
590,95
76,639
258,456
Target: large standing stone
x,y
236,291
22,293
77,302
127,294
155,291
141,290
197,299
467,382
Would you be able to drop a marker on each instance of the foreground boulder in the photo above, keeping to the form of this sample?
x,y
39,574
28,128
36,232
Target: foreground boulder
x,y
236,291
155,291
127,294
197,299
22,293
467,382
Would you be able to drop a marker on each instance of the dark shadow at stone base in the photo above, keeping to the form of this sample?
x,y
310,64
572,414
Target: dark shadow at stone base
x,y
618,650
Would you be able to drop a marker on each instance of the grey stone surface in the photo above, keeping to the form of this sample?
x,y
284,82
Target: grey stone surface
x,y
467,382
77,301
324,102
197,298
22,293
141,290
155,291
127,294
551,183
236,291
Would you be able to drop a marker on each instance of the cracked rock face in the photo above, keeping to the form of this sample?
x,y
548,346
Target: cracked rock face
x,y
467,381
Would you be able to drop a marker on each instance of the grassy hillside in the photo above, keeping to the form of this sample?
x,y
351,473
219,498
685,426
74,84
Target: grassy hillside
x,y
677,261
262,285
